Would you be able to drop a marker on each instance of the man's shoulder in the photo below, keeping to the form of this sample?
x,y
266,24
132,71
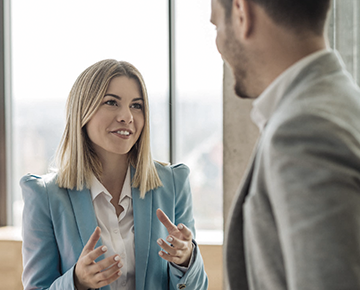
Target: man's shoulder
x,y
329,94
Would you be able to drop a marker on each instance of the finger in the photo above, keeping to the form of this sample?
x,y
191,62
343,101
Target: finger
x,y
167,248
176,242
91,243
169,257
106,263
163,218
108,276
185,232
94,254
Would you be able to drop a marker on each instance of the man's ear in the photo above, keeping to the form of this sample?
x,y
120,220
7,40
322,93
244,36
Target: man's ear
x,y
243,18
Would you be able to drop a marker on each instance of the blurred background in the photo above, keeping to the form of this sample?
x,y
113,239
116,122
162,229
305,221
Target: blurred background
x,y
54,41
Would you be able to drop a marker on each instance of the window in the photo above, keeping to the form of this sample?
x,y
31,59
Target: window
x,y
198,116
54,41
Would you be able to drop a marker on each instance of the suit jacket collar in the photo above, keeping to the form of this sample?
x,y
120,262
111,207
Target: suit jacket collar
x,y
318,63
325,65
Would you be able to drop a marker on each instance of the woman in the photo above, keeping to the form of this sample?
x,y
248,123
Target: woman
x,y
109,217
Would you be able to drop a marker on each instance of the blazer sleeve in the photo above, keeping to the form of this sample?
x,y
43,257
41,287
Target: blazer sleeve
x,y
195,277
41,258
312,168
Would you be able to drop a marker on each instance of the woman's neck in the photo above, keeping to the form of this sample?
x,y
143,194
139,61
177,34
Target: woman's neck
x,y
113,174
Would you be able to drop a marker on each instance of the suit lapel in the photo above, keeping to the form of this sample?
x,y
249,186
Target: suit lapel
x,y
84,215
142,224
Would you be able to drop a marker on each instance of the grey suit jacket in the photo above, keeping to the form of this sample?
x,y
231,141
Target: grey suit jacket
x,y
295,224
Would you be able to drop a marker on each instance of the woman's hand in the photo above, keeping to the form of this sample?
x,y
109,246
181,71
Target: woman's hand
x,y
180,238
88,273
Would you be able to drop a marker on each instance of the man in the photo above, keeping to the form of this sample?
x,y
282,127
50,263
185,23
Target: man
x,y
295,223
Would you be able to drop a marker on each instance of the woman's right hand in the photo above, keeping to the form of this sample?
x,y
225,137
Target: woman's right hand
x,y
88,273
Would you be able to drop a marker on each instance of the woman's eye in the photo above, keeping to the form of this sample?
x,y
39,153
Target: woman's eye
x,y
137,106
111,103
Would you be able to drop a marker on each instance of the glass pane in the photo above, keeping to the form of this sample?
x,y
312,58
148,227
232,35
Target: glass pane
x,y
53,42
199,70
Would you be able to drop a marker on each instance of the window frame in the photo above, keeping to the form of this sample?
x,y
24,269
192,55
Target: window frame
x,y
5,90
6,108
5,114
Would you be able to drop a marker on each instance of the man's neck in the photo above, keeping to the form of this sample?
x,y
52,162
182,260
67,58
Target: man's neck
x,y
284,50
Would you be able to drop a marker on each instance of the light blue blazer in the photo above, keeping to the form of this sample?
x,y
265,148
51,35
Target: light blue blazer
x,y
58,222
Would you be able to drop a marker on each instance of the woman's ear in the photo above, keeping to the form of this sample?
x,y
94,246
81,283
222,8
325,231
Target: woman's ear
x,y
243,18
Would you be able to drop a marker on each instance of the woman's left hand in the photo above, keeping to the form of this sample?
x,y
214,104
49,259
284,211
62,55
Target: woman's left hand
x,y
180,238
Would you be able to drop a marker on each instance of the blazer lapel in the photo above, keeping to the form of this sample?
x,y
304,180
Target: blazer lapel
x,y
142,225
84,215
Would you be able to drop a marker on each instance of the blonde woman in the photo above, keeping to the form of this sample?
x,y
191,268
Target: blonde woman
x,y
109,217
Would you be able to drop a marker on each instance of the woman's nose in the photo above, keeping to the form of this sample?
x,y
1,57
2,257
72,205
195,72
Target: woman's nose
x,y
124,116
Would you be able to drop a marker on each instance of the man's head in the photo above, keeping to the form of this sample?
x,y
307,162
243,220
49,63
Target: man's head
x,y
260,38
294,14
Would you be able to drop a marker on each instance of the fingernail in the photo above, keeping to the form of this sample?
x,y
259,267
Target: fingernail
x,y
169,239
117,258
159,241
119,273
120,265
161,253
180,226
104,249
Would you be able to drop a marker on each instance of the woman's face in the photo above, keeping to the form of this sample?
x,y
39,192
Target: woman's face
x,y
118,122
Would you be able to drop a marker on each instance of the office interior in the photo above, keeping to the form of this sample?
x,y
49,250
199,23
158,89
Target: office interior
x,y
238,135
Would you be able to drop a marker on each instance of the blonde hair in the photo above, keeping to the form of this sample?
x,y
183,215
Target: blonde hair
x,y
76,159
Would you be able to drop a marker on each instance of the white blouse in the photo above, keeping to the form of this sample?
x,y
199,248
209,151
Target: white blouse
x,y
117,233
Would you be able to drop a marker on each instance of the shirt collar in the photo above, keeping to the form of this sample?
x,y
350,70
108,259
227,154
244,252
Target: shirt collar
x,y
126,190
97,188
265,105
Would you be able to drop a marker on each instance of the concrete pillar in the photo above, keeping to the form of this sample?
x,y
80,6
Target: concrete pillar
x,y
240,135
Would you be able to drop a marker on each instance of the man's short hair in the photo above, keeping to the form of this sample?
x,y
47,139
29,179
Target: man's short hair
x,y
296,14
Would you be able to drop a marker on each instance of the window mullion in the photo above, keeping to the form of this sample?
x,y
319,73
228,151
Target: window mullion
x,y
172,95
5,118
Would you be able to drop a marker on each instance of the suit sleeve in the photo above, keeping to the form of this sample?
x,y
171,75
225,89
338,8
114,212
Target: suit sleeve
x,y
314,188
195,277
41,258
